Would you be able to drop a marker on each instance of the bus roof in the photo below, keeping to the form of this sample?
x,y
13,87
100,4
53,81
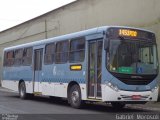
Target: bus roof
x,y
70,36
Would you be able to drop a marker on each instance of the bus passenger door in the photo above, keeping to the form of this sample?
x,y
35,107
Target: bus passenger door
x,y
38,55
94,68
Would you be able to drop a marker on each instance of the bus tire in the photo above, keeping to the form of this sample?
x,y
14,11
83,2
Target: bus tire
x,y
22,90
118,105
75,97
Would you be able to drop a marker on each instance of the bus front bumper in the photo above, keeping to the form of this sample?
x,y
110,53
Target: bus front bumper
x,y
110,95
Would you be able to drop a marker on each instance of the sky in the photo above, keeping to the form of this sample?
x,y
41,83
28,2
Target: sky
x,y
13,12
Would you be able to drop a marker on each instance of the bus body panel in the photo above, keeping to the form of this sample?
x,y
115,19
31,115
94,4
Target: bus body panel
x,y
13,85
55,78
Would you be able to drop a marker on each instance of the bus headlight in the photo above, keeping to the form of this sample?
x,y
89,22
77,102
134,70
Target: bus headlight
x,y
112,86
155,88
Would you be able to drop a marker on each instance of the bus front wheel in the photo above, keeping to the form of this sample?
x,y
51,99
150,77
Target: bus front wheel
x,y
22,90
75,97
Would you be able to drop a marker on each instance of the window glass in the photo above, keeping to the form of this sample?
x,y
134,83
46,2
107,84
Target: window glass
x,y
5,59
18,57
10,58
77,51
62,52
27,56
78,44
49,54
38,54
133,57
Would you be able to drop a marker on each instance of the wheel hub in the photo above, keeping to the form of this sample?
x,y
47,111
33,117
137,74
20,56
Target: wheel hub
x,y
22,91
75,96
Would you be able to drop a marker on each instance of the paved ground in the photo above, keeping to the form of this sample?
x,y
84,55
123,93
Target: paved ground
x,y
10,103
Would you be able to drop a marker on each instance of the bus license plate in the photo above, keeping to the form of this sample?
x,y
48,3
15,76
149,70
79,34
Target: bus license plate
x,y
136,97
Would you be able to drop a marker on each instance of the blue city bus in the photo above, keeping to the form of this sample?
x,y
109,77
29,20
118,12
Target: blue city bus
x,y
111,64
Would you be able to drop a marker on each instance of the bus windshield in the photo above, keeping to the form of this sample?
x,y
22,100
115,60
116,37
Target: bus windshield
x,y
128,56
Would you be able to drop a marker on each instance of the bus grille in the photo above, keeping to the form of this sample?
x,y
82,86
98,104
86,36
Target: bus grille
x,y
135,81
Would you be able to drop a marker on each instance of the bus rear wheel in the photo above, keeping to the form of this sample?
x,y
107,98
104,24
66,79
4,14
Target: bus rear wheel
x,y
75,97
118,105
22,90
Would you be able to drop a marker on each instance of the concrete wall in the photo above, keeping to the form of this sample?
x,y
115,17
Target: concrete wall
x,y
85,14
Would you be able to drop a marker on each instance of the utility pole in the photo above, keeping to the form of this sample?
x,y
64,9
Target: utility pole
x,y
45,29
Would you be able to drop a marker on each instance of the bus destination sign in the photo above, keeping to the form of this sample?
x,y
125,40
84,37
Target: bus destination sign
x,y
128,33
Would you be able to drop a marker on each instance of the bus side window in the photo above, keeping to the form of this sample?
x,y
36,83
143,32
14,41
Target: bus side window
x,y
5,59
49,54
18,57
10,58
27,56
77,50
62,49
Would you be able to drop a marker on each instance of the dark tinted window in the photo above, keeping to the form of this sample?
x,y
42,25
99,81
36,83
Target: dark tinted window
x,y
9,58
49,54
77,51
5,59
62,49
38,54
18,57
27,56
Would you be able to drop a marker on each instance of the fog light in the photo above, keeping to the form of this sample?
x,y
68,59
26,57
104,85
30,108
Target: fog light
x,y
109,84
112,86
154,89
119,98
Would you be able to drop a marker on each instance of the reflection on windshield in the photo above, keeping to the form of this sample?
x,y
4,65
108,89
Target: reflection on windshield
x,y
132,57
